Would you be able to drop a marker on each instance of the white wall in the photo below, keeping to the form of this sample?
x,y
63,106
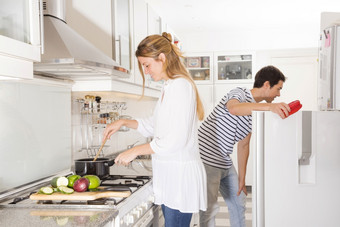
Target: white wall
x,y
271,38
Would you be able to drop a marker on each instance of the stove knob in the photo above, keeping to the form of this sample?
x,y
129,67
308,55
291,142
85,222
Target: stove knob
x,y
140,210
151,199
126,219
131,219
145,206
136,212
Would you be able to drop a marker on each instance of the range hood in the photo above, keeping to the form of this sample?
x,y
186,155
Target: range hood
x,y
67,54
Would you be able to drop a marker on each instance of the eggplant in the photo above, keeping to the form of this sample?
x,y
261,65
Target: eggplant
x,y
100,167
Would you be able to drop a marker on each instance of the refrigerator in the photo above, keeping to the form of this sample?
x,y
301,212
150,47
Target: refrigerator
x,y
329,71
296,169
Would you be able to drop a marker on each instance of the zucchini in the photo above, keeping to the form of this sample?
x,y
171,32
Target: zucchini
x,y
65,190
46,190
59,181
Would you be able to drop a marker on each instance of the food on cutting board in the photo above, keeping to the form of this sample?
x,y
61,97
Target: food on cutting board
x,y
72,183
81,184
59,181
72,179
65,190
94,181
46,190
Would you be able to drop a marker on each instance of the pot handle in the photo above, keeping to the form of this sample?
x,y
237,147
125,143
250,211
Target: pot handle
x,y
110,162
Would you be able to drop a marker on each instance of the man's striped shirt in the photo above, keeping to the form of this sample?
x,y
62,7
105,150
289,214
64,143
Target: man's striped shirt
x,y
221,130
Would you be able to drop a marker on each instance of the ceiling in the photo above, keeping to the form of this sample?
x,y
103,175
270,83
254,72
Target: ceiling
x,y
219,15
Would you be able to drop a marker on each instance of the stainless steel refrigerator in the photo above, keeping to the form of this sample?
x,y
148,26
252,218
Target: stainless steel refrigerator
x,y
296,169
329,74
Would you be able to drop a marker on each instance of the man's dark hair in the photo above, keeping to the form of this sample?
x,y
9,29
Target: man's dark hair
x,y
268,73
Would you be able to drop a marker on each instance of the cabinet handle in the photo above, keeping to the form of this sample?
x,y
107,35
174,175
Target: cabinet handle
x,y
118,43
42,40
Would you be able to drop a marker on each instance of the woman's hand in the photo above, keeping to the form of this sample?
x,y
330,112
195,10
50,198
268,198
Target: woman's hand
x,y
126,157
112,128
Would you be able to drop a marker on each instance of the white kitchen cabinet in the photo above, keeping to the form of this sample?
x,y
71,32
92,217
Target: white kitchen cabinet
x,y
140,31
141,20
19,38
200,67
206,93
154,22
122,32
236,67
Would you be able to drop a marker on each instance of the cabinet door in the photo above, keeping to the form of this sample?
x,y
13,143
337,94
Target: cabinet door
x,y
140,22
234,68
154,22
200,67
206,94
20,38
122,29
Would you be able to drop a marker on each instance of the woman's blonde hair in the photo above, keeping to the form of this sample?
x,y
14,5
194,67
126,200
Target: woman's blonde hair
x,y
152,46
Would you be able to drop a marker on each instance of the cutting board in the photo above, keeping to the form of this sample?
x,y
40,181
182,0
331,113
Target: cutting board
x,y
80,195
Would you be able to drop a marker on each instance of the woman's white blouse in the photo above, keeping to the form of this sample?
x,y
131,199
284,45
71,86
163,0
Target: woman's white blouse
x,y
179,178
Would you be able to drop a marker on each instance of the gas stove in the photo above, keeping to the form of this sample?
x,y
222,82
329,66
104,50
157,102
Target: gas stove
x,y
111,182
118,211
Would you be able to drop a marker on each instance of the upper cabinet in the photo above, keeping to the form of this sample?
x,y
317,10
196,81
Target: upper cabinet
x,y
19,38
140,31
200,67
234,67
122,32
154,21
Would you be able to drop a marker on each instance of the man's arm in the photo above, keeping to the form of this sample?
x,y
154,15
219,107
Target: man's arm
x,y
242,109
242,159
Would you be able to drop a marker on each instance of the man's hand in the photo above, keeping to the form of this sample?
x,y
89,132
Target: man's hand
x,y
241,187
282,109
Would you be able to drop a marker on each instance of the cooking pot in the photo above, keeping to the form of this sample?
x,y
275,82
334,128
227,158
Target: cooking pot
x,y
100,167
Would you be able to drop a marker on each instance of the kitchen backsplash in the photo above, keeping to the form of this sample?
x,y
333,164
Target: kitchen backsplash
x,y
89,121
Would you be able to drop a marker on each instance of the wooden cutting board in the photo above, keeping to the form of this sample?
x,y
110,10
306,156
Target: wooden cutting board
x,y
80,195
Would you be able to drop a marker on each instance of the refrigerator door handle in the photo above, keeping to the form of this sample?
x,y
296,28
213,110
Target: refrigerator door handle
x,y
306,138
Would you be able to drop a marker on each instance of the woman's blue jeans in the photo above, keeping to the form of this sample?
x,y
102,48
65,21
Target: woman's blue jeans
x,y
175,218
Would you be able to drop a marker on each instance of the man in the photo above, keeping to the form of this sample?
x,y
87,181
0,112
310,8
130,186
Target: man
x,y
231,122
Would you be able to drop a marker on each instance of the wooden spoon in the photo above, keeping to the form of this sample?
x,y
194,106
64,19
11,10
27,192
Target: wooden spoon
x,y
100,149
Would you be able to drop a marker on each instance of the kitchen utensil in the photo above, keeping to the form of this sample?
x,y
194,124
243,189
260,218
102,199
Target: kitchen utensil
x,y
80,195
100,167
294,107
100,149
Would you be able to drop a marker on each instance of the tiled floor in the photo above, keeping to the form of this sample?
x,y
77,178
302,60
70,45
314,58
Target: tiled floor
x,y
222,218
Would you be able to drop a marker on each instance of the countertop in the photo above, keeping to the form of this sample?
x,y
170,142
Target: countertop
x,y
29,217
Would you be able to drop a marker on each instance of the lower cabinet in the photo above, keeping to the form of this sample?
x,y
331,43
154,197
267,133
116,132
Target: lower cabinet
x,y
206,93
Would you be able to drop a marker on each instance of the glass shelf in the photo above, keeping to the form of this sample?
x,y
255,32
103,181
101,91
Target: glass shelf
x,y
199,67
234,68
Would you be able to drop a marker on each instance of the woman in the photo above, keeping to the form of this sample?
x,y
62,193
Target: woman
x,y
179,178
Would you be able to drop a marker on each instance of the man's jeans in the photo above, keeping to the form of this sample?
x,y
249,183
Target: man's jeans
x,y
227,182
175,218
